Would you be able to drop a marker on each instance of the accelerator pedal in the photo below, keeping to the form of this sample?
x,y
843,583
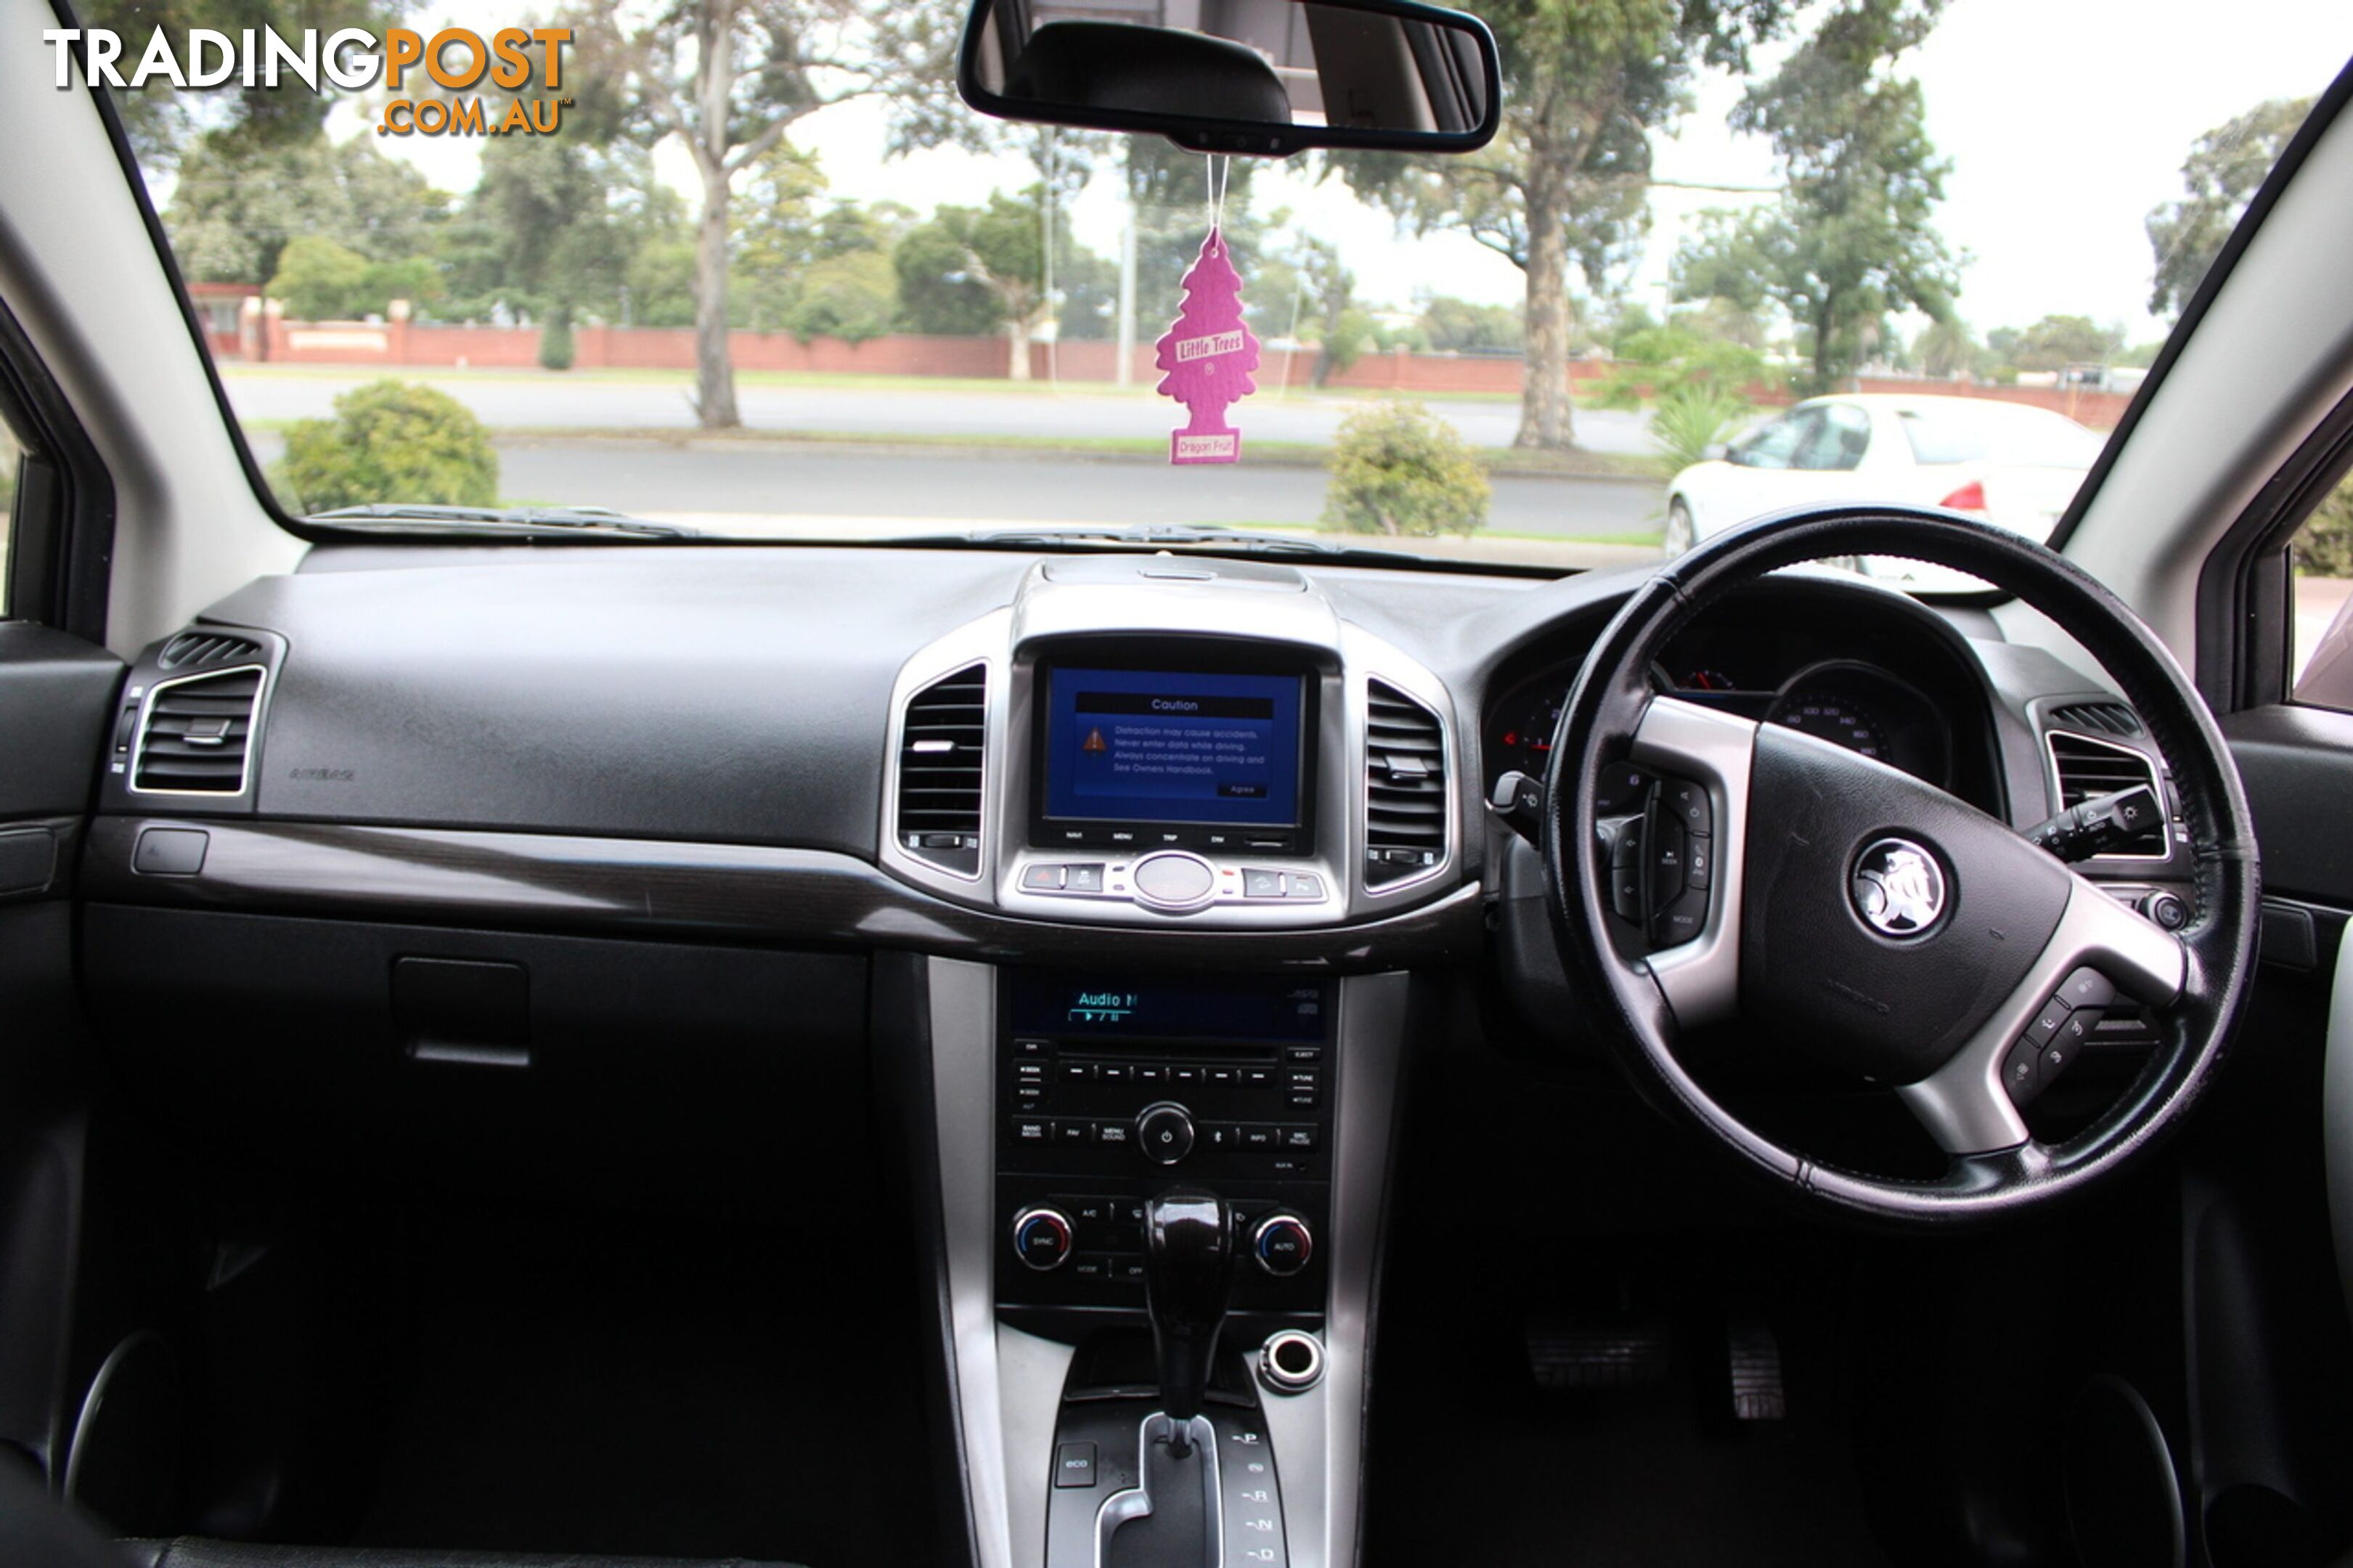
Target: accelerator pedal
x,y
1756,1363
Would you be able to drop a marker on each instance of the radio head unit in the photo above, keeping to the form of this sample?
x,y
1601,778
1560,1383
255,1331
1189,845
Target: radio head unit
x,y
1165,758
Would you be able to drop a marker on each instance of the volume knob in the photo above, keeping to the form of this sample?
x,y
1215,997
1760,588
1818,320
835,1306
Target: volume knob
x,y
1163,1130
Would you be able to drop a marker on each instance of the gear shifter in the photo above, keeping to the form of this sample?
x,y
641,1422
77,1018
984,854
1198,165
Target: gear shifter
x,y
1188,1267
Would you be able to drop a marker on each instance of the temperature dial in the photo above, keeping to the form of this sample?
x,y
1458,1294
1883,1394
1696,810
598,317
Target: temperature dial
x,y
1042,1238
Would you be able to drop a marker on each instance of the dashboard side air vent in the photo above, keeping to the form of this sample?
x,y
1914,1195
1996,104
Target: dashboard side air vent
x,y
2085,767
196,733
1405,787
942,742
2099,718
198,650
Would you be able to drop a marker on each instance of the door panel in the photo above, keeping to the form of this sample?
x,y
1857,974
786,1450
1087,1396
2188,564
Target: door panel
x,y
56,695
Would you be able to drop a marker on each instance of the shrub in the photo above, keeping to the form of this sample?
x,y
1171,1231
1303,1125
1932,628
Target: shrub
x,y
389,441
1397,470
1689,421
555,340
2324,546
1673,358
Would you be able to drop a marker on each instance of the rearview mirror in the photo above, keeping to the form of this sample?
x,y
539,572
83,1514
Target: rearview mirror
x,y
1261,76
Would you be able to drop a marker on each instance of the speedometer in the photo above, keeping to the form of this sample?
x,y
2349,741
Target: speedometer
x,y
1835,717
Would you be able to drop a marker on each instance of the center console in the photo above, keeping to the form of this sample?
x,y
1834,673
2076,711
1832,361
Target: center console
x,y
1111,1087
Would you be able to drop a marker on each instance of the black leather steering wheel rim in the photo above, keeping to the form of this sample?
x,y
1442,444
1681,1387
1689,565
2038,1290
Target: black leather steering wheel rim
x,y
1613,698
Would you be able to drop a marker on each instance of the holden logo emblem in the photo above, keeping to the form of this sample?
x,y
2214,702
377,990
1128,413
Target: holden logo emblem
x,y
1898,887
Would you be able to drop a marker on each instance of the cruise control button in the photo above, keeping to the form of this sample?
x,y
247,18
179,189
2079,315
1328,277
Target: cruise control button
x,y
2047,1021
2057,1057
2086,988
1043,878
2077,1031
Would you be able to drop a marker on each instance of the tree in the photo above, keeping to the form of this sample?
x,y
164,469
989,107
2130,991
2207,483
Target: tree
x,y
1458,326
1851,238
1309,272
729,79
319,280
984,269
1948,348
854,296
557,222
239,201
2054,342
2224,169
160,119
775,234
1564,182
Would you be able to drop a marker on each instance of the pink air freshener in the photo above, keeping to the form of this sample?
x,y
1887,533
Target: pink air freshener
x,y
1209,355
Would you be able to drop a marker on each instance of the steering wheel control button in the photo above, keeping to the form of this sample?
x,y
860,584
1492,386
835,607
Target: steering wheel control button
x,y
1283,1244
1686,805
1681,918
1174,880
2086,988
1700,855
1898,887
2169,911
1163,1130
2047,1021
2022,1072
1042,1238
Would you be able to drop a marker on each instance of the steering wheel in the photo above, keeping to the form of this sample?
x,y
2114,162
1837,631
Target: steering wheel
x,y
1846,910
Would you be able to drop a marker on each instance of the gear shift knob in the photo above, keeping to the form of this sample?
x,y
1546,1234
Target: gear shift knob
x,y
1188,1266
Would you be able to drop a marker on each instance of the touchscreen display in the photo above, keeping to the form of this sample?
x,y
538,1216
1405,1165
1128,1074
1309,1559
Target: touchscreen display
x,y
1151,746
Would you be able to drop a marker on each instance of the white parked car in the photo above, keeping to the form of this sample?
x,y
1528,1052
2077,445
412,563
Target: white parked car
x,y
2013,464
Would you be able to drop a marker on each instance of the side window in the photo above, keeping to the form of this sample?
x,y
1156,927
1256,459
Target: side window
x,y
1776,445
12,454
1837,441
2323,552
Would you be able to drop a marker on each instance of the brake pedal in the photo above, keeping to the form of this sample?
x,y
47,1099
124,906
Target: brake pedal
x,y
1756,1362
1563,1355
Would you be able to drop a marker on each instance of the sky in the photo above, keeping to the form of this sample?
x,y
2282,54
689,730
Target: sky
x,y
2065,122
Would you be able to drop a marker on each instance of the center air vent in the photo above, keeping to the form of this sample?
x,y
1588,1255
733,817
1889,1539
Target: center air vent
x,y
1405,787
2086,767
196,733
942,743
195,651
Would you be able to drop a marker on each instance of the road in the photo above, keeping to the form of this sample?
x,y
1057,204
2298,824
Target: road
x,y
723,482
539,400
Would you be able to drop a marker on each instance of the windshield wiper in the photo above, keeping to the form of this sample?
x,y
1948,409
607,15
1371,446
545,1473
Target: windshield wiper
x,y
1165,535
524,520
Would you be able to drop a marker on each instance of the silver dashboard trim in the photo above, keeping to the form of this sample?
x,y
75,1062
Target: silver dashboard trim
x,y
246,771
1701,978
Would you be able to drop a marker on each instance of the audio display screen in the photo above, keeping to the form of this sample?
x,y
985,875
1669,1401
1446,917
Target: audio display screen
x,y
1176,748
1126,1007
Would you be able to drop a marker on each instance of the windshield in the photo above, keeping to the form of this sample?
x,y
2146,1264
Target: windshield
x,y
783,285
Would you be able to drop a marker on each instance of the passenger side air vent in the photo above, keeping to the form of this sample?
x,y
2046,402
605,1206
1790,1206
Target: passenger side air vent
x,y
2100,718
1405,787
2086,767
195,651
942,743
196,733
